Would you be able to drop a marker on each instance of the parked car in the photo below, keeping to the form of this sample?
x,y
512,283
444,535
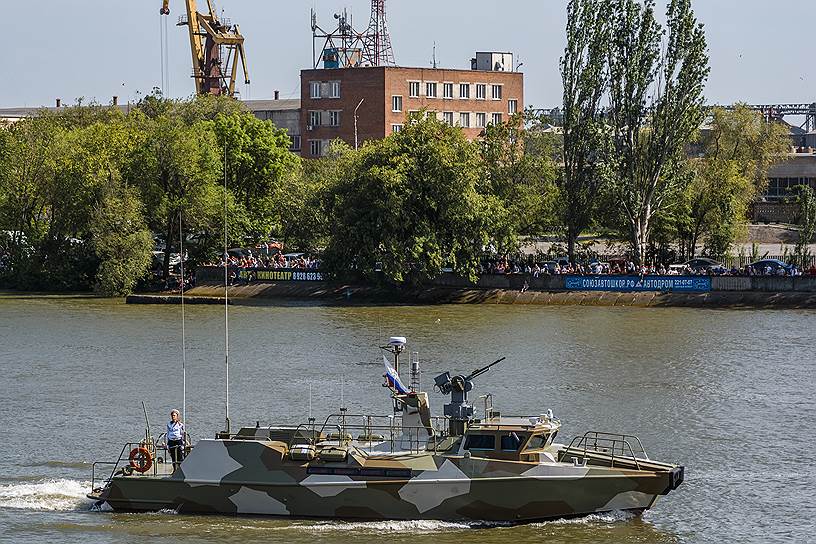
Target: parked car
x,y
704,264
700,265
762,266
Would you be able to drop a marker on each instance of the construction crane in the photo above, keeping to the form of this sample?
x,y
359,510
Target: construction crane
x,y
216,46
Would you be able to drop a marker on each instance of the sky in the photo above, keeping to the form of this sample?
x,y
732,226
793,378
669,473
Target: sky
x,y
760,51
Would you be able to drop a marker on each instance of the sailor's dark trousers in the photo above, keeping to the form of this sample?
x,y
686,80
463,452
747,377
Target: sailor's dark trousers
x,y
176,448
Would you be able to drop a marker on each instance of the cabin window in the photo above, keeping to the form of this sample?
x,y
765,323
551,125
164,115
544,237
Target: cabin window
x,y
538,441
510,442
480,442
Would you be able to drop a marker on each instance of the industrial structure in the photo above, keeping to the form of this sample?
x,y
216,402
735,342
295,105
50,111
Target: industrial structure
x,y
216,46
345,47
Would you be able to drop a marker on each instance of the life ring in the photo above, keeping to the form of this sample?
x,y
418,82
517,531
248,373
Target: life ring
x,y
140,459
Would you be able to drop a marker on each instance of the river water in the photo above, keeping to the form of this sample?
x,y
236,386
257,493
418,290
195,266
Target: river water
x,y
729,394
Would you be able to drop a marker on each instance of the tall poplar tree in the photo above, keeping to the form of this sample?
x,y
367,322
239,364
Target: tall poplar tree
x,y
656,83
584,75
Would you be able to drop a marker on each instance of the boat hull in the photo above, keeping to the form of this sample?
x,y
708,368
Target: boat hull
x,y
258,478
516,500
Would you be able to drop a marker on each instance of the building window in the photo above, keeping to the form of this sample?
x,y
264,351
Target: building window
x,y
315,118
396,128
316,148
334,89
481,91
512,107
430,89
430,115
314,89
448,117
295,142
497,119
481,120
413,89
464,120
396,103
447,90
334,118
497,92
464,90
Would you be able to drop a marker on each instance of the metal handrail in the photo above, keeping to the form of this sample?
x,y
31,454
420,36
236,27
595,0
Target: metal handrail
x,y
608,443
153,446
391,431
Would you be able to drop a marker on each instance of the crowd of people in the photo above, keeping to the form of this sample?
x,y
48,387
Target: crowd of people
x,y
278,260
629,268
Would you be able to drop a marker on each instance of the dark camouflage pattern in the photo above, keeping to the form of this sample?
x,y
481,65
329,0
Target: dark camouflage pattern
x,y
257,476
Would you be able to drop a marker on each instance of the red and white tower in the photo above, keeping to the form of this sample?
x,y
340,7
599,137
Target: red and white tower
x,y
377,50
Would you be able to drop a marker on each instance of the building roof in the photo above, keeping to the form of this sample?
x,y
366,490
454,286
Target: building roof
x,y
425,68
272,105
251,105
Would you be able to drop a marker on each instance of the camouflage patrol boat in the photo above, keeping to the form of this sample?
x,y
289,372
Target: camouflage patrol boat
x,y
407,465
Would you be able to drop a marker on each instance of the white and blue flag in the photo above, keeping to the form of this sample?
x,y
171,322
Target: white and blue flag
x,y
392,379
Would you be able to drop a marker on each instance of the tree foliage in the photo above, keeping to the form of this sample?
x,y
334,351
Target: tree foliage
x,y
520,170
738,147
807,223
584,72
656,107
411,203
176,168
260,168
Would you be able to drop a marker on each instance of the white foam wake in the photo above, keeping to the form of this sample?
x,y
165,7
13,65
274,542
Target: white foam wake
x,y
46,495
616,516
386,527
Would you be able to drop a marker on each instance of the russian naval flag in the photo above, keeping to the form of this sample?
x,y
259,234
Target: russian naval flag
x,y
392,379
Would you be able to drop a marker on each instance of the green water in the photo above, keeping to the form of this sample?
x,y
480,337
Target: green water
x,y
729,394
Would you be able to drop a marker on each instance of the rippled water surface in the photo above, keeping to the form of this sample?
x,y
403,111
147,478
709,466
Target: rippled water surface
x,y
729,394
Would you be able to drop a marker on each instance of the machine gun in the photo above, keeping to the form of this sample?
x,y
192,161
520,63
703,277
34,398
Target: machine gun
x,y
459,409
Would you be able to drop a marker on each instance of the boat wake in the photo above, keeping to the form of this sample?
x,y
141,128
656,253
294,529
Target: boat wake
x,y
617,516
57,495
431,527
390,527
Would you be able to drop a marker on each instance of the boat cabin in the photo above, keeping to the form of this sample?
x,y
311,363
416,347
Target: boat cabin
x,y
510,438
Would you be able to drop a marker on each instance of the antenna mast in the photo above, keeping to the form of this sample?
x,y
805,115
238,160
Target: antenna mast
x,y
183,335
377,41
226,297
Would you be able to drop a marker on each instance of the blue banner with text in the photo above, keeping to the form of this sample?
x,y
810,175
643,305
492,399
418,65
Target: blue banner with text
x,y
681,284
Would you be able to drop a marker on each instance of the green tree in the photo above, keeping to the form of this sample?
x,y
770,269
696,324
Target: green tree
x,y
121,241
656,107
585,76
177,168
744,136
521,172
260,168
738,147
807,224
410,202
306,201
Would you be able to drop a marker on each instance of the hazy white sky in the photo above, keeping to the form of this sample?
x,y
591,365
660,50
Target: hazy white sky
x,y
761,51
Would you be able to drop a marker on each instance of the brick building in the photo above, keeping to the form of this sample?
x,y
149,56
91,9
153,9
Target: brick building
x,y
470,99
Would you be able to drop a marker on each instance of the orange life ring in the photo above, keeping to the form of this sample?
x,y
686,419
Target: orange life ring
x,y
140,459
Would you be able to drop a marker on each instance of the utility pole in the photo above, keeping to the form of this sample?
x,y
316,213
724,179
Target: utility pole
x,y
356,144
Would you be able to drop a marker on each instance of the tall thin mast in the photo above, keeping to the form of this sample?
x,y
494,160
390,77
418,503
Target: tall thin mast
x,y
183,332
226,294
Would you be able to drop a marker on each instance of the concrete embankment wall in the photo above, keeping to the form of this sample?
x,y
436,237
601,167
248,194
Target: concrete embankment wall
x,y
727,292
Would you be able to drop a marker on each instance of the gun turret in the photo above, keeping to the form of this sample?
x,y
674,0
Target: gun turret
x,y
459,409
